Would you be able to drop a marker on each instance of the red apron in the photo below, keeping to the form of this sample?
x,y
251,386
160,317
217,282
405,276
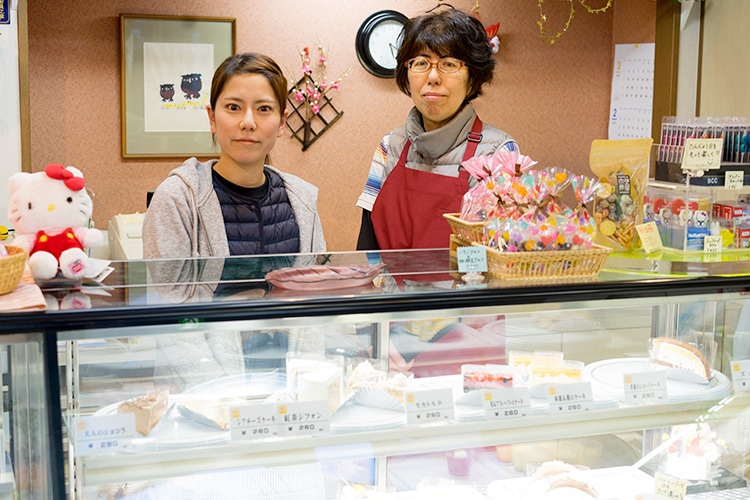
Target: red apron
x,y
408,212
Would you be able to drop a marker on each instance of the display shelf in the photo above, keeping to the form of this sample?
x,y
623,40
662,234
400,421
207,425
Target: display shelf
x,y
106,469
119,349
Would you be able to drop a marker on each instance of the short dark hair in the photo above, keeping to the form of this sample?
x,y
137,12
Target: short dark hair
x,y
447,33
249,63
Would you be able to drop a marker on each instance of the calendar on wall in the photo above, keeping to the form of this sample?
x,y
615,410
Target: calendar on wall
x,y
632,100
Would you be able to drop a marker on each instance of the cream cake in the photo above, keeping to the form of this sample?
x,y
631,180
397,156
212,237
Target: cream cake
x,y
148,410
674,353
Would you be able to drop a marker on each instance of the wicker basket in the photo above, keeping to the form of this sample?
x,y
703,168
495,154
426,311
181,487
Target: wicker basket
x,y
468,231
11,268
547,264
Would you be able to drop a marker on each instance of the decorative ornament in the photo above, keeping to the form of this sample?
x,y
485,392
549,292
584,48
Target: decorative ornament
x,y
571,14
312,111
492,36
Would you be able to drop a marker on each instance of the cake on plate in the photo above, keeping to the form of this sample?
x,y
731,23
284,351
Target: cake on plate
x,y
148,410
679,355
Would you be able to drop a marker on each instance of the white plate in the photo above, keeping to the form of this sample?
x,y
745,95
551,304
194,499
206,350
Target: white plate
x,y
606,378
173,430
354,417
622,483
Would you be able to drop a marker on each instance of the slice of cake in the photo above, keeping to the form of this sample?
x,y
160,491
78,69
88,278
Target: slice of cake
x,y
674,353
210,411
486,377
148,410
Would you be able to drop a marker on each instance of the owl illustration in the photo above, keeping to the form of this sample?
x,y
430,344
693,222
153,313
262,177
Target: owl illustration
x,y
166,91
191,85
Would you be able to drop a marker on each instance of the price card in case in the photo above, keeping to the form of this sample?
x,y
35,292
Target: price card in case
x,y
257,421
501,404
570,398
645,387
741,374
303,418
429,405
104,435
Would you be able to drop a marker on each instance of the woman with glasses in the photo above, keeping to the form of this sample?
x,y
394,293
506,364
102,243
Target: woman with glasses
x,y
444,60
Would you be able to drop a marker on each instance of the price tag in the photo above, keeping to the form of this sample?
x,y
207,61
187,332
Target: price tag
x,y
104,435
303,418
669,486
501,404
650,238
570,398
429,405
712,244
472,259
645,387
701,154
256,421
741,374
734,179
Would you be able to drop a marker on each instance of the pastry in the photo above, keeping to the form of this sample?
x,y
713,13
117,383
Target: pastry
x,y
210,411
148,410
323,384
674,353
486,377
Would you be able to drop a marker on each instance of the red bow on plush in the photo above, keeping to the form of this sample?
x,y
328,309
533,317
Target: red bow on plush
x,y
57,171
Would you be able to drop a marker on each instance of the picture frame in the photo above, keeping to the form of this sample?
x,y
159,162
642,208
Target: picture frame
x,y
166,67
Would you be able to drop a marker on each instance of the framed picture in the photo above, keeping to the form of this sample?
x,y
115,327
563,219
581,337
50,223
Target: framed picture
x,y
166,67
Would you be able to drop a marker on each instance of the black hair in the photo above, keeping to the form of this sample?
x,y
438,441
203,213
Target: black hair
x,y
447,33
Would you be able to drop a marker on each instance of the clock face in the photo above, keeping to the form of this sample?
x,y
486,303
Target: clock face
x,y
378,40
384,43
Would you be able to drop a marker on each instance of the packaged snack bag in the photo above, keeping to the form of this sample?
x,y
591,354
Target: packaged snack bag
x,y
622,168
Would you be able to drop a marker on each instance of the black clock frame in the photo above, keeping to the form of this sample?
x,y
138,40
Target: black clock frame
x,y
363,41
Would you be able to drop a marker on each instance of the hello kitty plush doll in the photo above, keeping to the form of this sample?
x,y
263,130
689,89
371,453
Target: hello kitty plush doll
x,y
50,212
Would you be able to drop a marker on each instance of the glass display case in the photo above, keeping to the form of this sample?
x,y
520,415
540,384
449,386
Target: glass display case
x,y
202,379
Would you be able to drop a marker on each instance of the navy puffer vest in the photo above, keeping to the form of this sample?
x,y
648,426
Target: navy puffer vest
x,y
258,220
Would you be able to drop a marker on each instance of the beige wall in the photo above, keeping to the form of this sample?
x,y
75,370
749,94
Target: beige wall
x,y
554,99
725,73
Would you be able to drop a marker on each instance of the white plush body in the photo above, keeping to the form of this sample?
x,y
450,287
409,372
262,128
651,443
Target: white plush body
x,y
53,201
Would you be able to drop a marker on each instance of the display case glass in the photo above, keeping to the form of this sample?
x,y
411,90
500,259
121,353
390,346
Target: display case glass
x,y
200,379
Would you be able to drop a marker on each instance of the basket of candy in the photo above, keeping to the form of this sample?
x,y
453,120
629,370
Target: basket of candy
x,y
516,212
12,264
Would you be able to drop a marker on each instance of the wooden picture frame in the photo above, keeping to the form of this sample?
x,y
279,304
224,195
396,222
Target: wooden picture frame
x,y
166,67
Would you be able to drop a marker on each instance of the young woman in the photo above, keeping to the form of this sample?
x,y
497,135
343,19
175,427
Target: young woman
x,y
415,176
236,205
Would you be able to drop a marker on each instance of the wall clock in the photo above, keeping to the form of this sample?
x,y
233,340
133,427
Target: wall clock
x,y
378,40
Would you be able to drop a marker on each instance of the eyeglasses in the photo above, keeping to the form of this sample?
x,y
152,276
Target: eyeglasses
x,y
444,65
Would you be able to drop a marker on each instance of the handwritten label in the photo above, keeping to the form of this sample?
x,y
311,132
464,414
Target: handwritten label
x,y
669,486
650,238
734,179
303,418
257,421
712,244
104,435
502,404
570,398
645,387
471,259
429,405
741,374
702,154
